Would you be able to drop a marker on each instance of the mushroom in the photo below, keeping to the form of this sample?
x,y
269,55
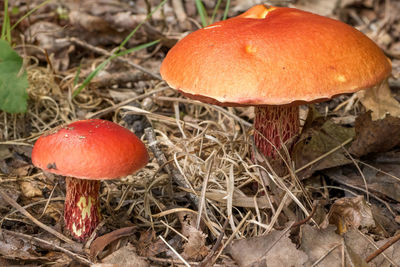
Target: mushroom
x,y
275,59
86,152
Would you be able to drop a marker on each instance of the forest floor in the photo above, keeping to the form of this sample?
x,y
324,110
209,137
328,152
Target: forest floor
x,y
200,201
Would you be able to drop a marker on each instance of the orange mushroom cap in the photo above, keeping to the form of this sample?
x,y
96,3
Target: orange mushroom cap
x,y
90,149
274,56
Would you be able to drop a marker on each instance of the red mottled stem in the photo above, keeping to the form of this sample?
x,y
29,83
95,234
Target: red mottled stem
x,y
82,207
276,124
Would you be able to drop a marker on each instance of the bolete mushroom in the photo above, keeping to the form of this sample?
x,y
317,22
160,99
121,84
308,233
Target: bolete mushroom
x,y
275,59
86,152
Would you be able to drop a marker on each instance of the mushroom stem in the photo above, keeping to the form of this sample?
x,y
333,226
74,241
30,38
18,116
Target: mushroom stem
x,y
82,207
274,126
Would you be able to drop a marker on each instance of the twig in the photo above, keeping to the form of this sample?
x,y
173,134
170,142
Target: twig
x,y
232,236
314,209
104,52
325,255
320,157
162,160
174,251
174,262
274,243
41,242
207,260
383,248
13,203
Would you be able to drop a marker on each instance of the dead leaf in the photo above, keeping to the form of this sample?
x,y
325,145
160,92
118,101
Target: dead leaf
x,y
348,213
187,220
12,247
359,245
149,246
382,178
100,243
11,192
30,189
374,136
380,101
195,248
125,256
51,38
274,249
320,136
317,243
88,22
55,210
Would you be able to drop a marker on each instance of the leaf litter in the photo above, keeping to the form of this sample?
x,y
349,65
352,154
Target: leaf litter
x,y
356,194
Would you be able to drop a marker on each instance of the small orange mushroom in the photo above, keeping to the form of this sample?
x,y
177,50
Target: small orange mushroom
x,y
86,152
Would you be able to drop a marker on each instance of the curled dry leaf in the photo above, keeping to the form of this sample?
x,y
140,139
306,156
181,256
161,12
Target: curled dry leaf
x,y
362,247
100,243
326,246
348,213
272,250
382,178
31,189
380,101
320,136
51,38
195,248
125,256
17,248
88,22
149,246
317,243
374,136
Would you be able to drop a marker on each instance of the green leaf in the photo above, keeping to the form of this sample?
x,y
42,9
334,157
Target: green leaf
x,y
13,80
202,12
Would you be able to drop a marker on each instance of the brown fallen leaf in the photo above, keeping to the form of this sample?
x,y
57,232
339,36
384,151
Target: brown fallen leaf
x,y
88,22
149,245
100,243
195,248
325,246
51,38
374,136
380,101
17,248
360,246
317,243
382,178
320,136
348,213
274,249
30,189
125,256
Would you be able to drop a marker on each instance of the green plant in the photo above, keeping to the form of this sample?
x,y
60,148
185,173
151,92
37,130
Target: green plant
x,y
13,80
13,76
205,20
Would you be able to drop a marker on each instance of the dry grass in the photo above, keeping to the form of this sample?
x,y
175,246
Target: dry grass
x,y
209,146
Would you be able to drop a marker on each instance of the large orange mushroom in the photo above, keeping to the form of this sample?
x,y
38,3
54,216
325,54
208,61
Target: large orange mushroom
x,y
274,58
86,152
